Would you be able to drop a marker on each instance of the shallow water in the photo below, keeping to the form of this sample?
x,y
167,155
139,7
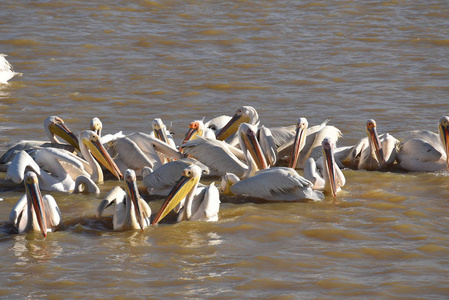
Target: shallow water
x,y
386,234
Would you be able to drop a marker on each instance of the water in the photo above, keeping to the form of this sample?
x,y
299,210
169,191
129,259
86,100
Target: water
x,y
386,235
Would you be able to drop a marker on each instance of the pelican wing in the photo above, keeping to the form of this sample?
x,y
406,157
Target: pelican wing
x,y
211,203
266,183
216,155
268,144
52,212
17,210
390,146
128,154
28,145
313,148
168,174
430,137
420,150
69,163
282,135
116,195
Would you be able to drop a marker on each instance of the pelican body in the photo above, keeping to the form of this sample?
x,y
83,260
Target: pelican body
x,y
6,70
33,212
131,211
426,151
274,184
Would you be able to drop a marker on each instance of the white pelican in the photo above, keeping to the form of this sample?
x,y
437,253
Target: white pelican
x,y
200,204
309,140
244,114
197,128
374,152
57,169
53,126
223,158
161,180
331,178
426,151
91,147
274,184
6,70
34,212
131,211
161,132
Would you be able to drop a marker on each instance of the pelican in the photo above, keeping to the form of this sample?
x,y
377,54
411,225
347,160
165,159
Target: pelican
x,y
57,168
277,183
6,70
198,128
131,211
274,184
161,180
244,114
91,147
426,151
307,142
223,158
53,126
161,132
331,178
374,152
34,212
201,203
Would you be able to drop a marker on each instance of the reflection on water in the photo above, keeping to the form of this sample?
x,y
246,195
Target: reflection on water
x,y
30,249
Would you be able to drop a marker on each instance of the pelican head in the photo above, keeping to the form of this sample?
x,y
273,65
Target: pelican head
x,y
54,126
328,146
92,141
196,128
188,182
96,126
159,130
35,201
245,114
226,182
299,141
443,128
133,195
249,143
373,138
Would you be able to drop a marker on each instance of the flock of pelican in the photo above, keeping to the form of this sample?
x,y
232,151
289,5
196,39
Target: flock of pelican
x,y
248,159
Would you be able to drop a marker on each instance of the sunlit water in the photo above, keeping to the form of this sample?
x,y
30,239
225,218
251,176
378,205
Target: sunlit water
x,y
128,62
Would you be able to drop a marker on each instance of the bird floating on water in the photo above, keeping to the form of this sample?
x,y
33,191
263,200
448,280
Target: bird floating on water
x,y
130,210
6,70
33,212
